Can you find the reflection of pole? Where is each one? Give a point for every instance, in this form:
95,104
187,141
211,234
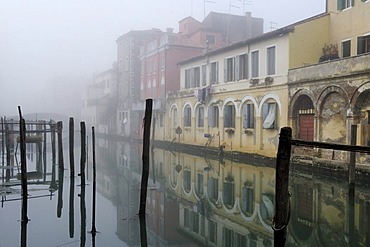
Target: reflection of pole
352,159
351,214
93,229
22,127
71,208
143,237
71,147
145,156
60,192
282,206
83,216
87,157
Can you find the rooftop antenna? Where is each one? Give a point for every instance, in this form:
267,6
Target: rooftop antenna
204,7
273,25
228,21
244,3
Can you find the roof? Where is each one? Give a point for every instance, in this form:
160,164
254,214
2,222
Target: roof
258,38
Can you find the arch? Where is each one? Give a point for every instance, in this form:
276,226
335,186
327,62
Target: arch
226,101
328,90
264,99
187,103
295,98
360,90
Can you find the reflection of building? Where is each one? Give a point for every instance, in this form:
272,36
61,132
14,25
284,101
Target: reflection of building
223,204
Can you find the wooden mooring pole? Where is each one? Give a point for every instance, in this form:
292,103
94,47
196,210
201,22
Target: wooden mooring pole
60,145
71,147
44,152
2,147
93,229
83,152
282,201
52,136
145,156
22,127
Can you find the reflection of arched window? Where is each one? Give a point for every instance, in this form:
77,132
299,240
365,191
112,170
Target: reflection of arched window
187,181
212,231
229,116
247,198
228,194
228,237
199,185
212,189
187,116
213,115
267,207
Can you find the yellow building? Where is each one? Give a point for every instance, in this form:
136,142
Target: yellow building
330,100
237,96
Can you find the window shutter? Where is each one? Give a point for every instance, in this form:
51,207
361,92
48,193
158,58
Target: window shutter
237,65
225,70
210,116
360,45
216,76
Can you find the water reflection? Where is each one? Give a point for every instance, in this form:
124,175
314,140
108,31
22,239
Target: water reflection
192,200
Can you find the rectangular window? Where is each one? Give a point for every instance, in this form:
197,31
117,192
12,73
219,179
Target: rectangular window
248,116
363,44
344,4
346,48
196,77
204,74
187,78
241,67
187,116
211,39
212,229
214,73
213,116
271,60
269,115
200,117
229,116
229,69
255,64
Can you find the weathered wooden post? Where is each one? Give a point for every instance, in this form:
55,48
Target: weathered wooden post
7,143
352,157
93,229
44,152
145,156
83,152
22,128
71,147
282,203
52,136
60,145
2,147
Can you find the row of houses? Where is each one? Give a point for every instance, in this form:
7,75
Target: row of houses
211,86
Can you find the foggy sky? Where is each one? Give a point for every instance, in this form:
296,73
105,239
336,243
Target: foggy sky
42,42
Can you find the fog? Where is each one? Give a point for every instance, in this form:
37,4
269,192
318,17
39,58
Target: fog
49,50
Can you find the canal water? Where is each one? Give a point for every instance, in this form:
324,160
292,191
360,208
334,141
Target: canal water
192,201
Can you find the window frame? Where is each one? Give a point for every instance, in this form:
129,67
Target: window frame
229,115
248,115
255,73
346,52
200,117
271,65
213,116
213,73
